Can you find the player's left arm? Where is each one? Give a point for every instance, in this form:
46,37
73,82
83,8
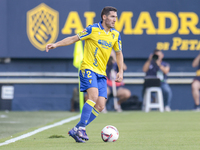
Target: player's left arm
119,58
120,62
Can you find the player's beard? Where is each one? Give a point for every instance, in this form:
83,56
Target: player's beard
108,23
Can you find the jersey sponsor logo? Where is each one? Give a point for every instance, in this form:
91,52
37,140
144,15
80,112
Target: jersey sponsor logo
105,44
42,26
84,32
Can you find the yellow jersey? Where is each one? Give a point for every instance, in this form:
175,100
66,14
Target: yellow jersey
98,46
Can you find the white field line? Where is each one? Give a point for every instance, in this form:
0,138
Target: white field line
40,130
13,122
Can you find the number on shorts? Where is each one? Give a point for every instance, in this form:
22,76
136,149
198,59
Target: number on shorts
88,74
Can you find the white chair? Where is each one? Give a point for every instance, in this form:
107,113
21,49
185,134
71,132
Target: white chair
147,104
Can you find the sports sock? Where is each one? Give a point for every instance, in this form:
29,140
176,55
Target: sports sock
87,109
93,115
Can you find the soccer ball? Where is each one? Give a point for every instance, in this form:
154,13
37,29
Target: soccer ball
109,134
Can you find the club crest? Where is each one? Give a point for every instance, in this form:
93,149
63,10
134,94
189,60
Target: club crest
42,26
113,35
90,81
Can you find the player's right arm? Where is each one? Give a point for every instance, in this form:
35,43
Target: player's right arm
65,42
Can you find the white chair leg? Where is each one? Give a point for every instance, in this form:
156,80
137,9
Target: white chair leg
148,101
160,96
147,105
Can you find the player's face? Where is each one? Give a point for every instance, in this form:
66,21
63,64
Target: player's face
111,19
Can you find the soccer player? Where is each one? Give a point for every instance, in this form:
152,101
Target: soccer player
100,38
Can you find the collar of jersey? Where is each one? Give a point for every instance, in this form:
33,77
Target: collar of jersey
101,27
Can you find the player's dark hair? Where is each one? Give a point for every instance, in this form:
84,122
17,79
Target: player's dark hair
106,11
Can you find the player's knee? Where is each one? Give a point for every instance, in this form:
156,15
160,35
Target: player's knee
167,90
194,86
127,94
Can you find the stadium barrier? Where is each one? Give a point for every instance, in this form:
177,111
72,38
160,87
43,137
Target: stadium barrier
72,78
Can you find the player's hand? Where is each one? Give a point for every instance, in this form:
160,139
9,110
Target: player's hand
50,46
119,77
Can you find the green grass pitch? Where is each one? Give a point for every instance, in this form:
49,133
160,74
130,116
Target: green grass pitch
137,131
